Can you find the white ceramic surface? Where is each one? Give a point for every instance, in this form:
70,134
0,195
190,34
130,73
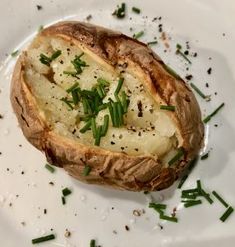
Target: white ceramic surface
94,212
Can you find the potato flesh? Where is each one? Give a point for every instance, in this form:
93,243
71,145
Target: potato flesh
151,134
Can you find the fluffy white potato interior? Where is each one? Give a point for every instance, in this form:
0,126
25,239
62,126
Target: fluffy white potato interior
148,130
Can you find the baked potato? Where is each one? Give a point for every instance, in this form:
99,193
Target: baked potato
105,107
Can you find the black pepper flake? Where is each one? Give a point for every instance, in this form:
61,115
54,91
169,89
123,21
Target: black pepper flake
51,183
45,211
209,71
89,17
127,228
216,93
139,105
207,85
122,148
136,149
112,143
0,153
139,134
1,116
189,77
160,226
39,7
195,54
216,125
22,172
20,145
61,62
186,52
74,131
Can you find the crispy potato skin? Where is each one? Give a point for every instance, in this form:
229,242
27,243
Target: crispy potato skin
117,170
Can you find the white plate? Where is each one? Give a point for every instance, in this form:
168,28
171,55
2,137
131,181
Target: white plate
95,212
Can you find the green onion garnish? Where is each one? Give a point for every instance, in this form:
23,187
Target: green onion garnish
100,91
98,136
67,102
208,118
115,115
188,204
55,55
43,239
50,168
220,198
75,96
190,196
226,214
92,243
138,35
178,51
205,156
120,11
15,53
190,191
120,113
171,71
86,127
120,82
74,86
152,42
93,127
167,107
206,196
198,91
63,200
105,125
66,191
136,10
157,205
199,186
103,82
124,102
86,170
47,60
168,218
179,154
182,181
111,112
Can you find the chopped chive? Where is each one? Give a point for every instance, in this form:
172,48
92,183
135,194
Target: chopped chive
75,96
206,196
74,86
115,115
15,53
111,112
190,196
198,91
205,156
168,218
93,127
72,73
177,157
178,51
63,200
220,198
199,186
100,91
86,127
55,55
120,11
178,46
43,239
50,168
167,107
182,181
120,82
138,35
120,113
190,191
208,118
157,205
124,102
192,203
171,71
102,107
67,102
44,59
92,243
103,82
152,42
98,136
226,214
86,170
105,125
136,10
85,105
66,191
